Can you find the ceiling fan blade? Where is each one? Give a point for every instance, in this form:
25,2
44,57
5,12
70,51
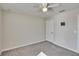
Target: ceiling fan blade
50,8
54,5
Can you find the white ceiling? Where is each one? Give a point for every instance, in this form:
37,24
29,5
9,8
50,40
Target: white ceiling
30,9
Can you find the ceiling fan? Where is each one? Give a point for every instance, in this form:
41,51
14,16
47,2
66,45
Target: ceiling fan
45,7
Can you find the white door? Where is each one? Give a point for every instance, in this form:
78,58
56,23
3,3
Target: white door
50,30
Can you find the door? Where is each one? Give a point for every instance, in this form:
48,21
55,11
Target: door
50,30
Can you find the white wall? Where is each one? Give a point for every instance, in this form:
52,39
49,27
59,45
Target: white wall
65,36
21,30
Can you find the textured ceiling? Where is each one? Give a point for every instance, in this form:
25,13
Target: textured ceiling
31,9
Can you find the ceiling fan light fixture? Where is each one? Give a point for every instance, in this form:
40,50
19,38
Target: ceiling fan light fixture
44,9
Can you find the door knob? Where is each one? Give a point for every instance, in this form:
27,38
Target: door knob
51,32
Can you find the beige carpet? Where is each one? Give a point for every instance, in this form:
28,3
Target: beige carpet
32,50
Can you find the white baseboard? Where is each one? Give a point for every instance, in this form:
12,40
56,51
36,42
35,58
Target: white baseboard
64,47
21,46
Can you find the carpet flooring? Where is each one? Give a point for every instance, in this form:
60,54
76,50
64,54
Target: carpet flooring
33,50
